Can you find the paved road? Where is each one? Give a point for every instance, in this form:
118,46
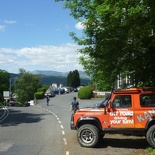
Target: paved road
45,130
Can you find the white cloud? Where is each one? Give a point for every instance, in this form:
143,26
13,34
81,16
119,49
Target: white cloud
9,21
2,28
58,58
79,26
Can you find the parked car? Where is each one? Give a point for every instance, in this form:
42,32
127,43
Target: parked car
70,89
79,87
11,102
58,91
75,90
50,93
127,111
66,89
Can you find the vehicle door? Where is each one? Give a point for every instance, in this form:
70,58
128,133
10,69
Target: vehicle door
145,112
121,112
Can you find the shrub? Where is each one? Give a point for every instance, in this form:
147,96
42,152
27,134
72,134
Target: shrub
85,93
2,104
41,89
39,95
19,104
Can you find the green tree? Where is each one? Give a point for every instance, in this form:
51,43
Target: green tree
26,86
69,78
119,37
76,79
4,82
73,79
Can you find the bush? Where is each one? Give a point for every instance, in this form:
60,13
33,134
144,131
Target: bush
19,104
2,103
85,93
41,89
39,95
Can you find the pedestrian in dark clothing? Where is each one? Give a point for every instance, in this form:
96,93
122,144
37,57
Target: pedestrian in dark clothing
47,100
74,105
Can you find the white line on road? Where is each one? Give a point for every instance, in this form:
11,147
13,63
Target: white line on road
61,126
65,141
5,115
63,132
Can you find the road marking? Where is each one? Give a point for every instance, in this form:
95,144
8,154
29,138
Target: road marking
5,114
5,146
65,141
63,132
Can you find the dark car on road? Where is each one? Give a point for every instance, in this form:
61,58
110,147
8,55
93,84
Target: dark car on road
49,93
58,91
11,102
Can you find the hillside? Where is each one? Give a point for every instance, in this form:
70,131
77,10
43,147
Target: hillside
48,80
56,73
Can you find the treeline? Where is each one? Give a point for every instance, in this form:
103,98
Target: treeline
48,80
27,86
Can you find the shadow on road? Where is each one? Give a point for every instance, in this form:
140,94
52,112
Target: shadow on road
133,143
17,117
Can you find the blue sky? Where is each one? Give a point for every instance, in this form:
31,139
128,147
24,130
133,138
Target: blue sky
34,35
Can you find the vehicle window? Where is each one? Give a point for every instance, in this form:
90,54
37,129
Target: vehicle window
123,101
147,100
102,104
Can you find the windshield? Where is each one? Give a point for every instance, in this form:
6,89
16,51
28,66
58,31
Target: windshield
102,104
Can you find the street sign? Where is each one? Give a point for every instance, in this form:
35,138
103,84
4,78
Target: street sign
6,94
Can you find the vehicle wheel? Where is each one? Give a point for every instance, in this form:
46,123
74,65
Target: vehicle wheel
88,135
150,136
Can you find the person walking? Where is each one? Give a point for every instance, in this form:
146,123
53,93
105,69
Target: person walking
74,105
47,100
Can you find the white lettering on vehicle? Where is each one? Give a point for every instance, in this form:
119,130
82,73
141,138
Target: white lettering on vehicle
126,113
121,116
115,121
146,115
128,121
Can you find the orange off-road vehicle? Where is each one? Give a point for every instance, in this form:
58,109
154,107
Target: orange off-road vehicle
128,111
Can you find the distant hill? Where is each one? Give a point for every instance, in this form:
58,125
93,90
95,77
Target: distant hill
48,80
56,73
50,77
49,73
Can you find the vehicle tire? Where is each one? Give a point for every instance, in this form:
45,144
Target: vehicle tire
88,135
150,136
